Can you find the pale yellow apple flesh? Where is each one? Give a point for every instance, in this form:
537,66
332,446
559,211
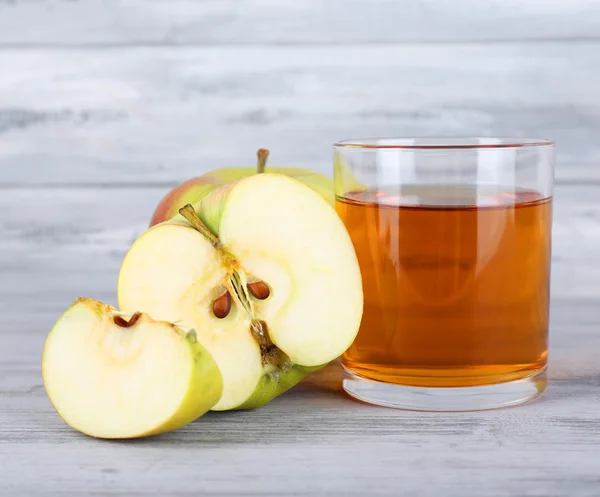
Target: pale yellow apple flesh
116,375
265,228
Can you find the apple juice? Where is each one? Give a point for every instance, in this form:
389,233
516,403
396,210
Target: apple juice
456,284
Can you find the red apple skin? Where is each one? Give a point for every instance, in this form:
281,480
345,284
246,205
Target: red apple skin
188,192
195,189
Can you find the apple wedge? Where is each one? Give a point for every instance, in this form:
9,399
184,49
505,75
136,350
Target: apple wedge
116,375
264,271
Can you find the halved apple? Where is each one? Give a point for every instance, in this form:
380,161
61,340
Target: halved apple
265,272
116,375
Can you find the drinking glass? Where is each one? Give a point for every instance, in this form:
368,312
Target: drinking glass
453,240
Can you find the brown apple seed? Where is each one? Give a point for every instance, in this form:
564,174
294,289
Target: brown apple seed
259,290
123,323
222,305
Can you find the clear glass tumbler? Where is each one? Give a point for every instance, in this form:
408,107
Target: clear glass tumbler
453,239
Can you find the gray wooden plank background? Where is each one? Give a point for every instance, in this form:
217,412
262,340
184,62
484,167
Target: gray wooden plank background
242,22
164,114
105,105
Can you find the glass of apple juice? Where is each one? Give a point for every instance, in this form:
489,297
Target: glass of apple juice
452,237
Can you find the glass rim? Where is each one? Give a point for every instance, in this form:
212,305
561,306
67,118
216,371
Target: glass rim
443,143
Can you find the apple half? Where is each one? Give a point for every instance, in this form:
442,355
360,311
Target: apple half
116,375
265,272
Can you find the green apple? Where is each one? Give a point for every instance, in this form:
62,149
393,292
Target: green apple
195,189
116,375
345,180
265,272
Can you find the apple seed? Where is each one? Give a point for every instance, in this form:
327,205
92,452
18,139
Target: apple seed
222,305
259,290
123,323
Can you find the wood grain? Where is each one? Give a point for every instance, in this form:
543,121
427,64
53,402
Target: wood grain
163,114
110,22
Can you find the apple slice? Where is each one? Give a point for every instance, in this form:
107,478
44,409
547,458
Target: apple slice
116,375
265,272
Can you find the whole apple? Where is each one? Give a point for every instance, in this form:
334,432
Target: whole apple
195,189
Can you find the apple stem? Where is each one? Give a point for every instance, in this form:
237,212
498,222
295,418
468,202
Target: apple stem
261,163
188,212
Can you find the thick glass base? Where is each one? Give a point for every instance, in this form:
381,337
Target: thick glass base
445,399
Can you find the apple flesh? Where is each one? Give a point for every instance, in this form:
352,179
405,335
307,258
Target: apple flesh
195,189
117,375
264,271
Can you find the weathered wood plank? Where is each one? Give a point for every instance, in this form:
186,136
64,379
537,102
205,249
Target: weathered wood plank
163,114
61,22
456,458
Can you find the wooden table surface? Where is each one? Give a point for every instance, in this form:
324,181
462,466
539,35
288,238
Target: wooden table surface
105,105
